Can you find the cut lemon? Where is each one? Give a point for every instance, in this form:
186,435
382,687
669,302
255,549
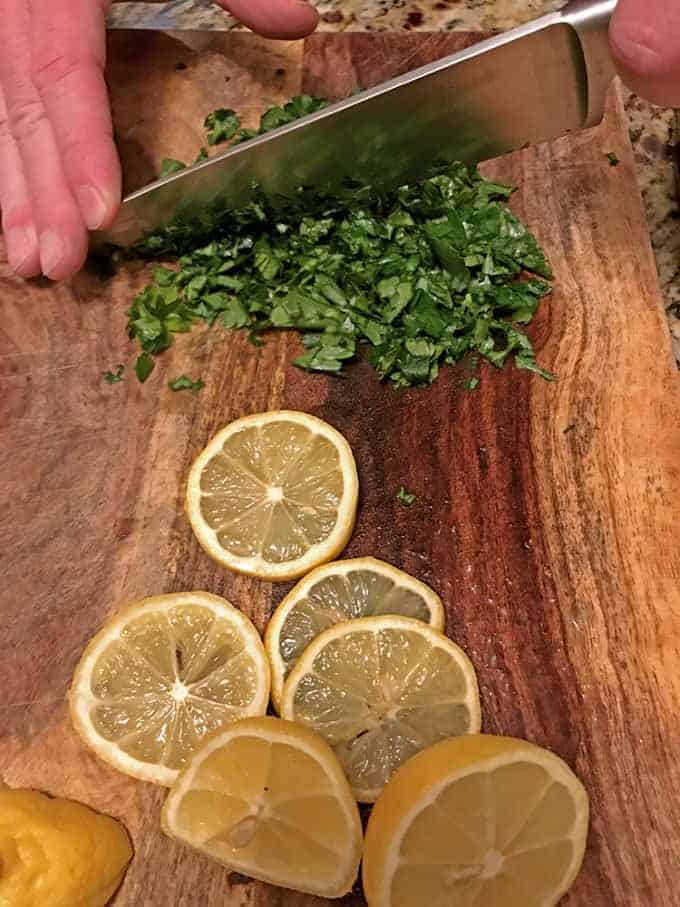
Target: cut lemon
162,674
58,852
274,495
380,689
268,799
477,820
337,592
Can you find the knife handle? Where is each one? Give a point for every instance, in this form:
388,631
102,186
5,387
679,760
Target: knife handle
590,20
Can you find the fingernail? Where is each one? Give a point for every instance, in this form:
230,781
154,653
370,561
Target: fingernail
92,206
21,243
52,251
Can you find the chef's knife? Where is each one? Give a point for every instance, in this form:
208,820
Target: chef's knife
527,85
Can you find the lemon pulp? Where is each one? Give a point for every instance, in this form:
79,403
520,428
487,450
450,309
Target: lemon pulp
162,675
380,689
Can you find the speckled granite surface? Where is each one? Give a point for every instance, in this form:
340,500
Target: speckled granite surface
651,129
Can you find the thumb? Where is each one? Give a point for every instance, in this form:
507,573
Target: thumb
274,18
645,42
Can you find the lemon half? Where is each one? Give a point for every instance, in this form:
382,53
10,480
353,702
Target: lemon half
268,799
476,820
58,852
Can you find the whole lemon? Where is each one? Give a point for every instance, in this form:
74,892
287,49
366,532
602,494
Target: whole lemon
58,852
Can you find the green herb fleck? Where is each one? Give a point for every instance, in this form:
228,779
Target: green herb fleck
144,366
114,377
472,384
170,165
408,498
184,383
299,106
613,159
222,125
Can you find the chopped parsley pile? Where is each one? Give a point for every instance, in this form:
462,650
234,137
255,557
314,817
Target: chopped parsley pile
419,277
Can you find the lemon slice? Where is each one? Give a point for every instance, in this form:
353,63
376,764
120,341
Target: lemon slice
162,674
380,689
476,820
268,799
58,852
273,495
337,592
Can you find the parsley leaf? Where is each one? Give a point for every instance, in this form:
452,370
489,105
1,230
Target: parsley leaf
170,165
408,498
299,106
222,125
613,159
144,366
184,383
114,377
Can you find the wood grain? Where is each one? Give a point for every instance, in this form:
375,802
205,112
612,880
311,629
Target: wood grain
546,517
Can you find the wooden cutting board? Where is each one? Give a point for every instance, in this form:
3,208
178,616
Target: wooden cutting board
547,514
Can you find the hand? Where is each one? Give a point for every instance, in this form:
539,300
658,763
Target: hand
59,170
274,18
645,40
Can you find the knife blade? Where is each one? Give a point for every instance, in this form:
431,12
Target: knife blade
528,85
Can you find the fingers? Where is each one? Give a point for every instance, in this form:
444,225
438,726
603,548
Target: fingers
68,73
60,227
21,238
61,174
645,41
274,18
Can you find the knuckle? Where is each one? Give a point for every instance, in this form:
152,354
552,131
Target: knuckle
27,119
5,134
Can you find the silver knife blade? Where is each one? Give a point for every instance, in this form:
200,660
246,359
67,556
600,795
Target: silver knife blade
532,83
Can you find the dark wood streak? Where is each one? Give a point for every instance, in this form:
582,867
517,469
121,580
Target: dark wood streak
545,513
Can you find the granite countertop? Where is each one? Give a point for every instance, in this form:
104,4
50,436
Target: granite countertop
651,129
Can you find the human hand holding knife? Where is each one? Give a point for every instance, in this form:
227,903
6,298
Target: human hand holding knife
59,171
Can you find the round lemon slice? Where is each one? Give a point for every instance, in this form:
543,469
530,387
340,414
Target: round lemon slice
476,820
379,690
274,495
268,799
337,592
162,674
